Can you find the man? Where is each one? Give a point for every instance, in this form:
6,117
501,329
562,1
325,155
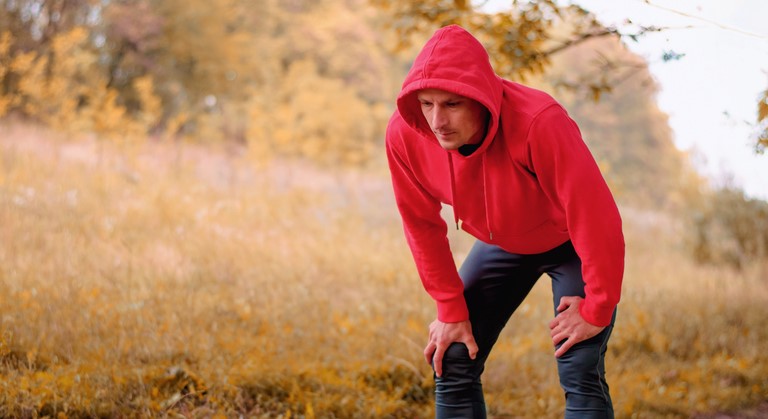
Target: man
521,180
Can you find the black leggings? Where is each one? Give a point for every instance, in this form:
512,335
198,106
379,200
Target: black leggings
495,283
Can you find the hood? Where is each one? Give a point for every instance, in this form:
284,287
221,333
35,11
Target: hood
454,61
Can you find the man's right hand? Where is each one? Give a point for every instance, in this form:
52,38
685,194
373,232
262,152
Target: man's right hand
441,335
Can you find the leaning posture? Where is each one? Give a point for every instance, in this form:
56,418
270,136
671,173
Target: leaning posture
514,167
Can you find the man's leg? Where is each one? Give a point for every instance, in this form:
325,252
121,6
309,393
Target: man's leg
495,283
582,368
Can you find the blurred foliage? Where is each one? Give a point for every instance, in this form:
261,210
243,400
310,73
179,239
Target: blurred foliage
266,73
730,229
306,79
520,42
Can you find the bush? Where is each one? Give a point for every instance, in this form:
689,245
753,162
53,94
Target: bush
731,229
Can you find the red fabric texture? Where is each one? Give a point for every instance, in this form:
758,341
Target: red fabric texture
531,186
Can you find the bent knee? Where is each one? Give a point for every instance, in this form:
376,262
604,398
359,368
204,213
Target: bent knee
457,365
456,352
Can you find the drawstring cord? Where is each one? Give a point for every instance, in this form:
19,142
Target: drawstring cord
453,192
485,197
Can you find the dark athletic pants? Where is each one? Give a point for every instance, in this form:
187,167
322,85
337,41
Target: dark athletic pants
495,283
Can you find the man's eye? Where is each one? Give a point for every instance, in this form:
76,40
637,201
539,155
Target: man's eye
425,104
452,104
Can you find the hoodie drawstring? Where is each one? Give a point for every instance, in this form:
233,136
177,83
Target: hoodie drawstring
453,191
485,196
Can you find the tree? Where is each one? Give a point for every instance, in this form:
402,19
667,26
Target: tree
52,67
520,42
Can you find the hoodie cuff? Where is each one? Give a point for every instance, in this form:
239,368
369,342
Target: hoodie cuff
453,310
596,315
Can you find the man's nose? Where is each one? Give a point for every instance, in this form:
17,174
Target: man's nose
438,118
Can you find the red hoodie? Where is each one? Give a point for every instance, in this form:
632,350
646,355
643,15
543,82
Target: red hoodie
531,186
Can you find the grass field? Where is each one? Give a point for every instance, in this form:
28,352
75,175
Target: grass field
184,282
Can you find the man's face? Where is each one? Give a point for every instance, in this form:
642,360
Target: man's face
456,120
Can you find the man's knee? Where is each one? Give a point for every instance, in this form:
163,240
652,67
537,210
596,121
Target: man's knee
457,352
458,367
458,391
582,363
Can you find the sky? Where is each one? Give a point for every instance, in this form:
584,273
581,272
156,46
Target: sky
711,93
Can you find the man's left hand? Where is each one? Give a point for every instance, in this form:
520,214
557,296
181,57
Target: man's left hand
568,325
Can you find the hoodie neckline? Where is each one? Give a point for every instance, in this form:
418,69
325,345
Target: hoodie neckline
467,149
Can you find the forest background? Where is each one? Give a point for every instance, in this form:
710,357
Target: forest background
196,220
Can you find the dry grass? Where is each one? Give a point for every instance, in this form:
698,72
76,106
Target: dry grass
203,286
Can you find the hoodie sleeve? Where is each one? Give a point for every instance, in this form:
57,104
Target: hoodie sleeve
570,177
426,234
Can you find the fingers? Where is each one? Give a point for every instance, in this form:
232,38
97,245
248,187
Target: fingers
564,347
442,335
558,332
429,352
559,337
553,323
472,347
569,327
562,305
437,360
565,302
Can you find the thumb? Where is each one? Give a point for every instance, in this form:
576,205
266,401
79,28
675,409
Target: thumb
472,347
